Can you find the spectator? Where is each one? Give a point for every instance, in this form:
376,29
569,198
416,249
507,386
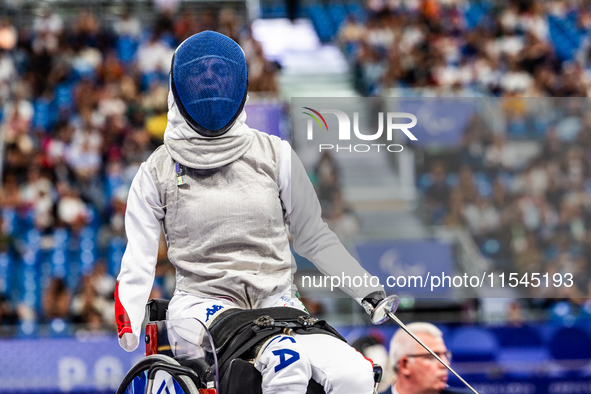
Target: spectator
373,346
8,35
416,371
88,303
8,315
438,192
47,28
37,193
56,300
327,182
430,44
71,210
154,56
128,25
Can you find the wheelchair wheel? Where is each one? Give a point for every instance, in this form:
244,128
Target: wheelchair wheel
136,380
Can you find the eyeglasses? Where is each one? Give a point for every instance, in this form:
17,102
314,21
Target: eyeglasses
447,354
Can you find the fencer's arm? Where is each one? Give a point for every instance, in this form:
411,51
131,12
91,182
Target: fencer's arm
138,266
312,238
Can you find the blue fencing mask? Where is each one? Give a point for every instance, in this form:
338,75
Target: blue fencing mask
209,82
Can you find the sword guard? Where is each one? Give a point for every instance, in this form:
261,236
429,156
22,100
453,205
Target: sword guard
379,313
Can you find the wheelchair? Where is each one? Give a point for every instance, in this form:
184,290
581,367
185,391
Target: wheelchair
222,360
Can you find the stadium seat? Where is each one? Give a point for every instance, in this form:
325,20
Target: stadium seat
115,252
322,22
60,328
523,362
273,10
357,10
518,337
63,96
43,115
59,252
27,329
126,47
472,344
425,182
562,349
6,268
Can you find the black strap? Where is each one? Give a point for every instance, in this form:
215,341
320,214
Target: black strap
236,332
249,339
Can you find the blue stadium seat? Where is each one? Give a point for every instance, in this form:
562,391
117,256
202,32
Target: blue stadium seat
27,329
60,328
517,128
6,266
571,347
153,78
472,344
63,96
506,179
475,14
169,39
10,219
322,22
29,278
43,114
453,179
483,184
425,182
44,270
338,14
586,311
95,219
357,10
517,337
562,313
522,362
115,252
565,36
112,183
88,252
58,260
274,10
73,267
126,47
23,223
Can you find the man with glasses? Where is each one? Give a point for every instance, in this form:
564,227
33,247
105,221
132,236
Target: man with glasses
416,371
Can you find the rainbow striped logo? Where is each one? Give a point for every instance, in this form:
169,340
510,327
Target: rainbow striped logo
315,118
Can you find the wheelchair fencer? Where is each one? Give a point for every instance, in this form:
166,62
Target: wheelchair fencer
187,356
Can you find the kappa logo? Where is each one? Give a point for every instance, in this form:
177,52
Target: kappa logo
212,311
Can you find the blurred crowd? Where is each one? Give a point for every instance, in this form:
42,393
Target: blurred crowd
84,102
526,201
336,212
515,47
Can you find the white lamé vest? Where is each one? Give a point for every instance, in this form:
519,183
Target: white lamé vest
225,226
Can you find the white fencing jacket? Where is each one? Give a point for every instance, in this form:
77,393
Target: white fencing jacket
226,225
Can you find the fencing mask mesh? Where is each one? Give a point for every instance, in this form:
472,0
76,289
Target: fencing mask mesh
209,82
